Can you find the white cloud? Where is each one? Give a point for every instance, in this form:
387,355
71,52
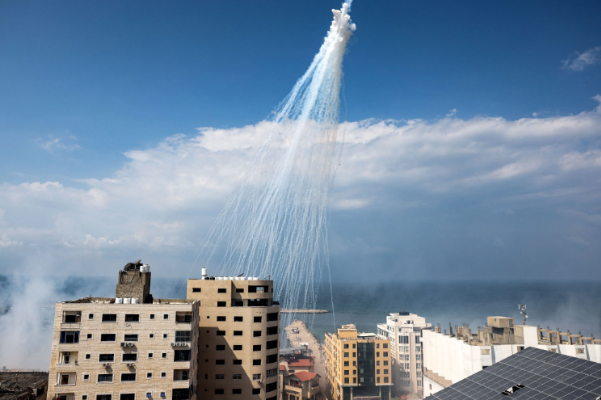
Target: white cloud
52,143
583,60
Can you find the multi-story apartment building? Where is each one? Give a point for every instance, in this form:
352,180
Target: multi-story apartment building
238,336
357,364
404,332
451,357
127,347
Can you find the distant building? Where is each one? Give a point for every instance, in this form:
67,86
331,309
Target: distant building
297,377
449,358
358,365
23,385
239,337
127,347
404,332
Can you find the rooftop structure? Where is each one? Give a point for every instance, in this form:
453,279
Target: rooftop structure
530,374
23,385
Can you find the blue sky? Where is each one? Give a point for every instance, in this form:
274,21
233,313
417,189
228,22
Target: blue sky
90,91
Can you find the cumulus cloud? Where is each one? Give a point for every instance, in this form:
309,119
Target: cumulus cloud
583,60
391,174
52,143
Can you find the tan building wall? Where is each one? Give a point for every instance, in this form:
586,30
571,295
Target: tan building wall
77,369
346,365
239,336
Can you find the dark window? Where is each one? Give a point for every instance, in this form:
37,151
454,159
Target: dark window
130,356
238,319
385,379
69,337
182,355
164,336
346,363
220,376
346,380
220,319
89,336
386,345
103,396
272,344
88,356
239,362
127,396
258,289
91,316
270,387
106,357
151,316
196,290
237,333
237,303
237,376
128,377
258,319
70,318
272,358
108,337
183,336
109,317
272,330
130,337
237,347
132,317
105,377
256,362
219,391
256,347
272,317
346,372
165,316
256,391
220,304
219,362
220,347
220,333
236,391
385,354
151,335
239,290
346,345
164,355
256,333
149,374
221,290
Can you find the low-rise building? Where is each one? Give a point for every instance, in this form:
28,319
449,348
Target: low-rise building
358,365
404,332
298,379
128,347
23,385
453,356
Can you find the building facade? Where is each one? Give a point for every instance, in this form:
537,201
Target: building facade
453,356
298,380
357,365
125,348
239,330
404,332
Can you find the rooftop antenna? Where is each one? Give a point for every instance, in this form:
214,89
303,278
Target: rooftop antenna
522,308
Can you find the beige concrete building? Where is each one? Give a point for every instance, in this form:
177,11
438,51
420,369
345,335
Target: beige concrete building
358,365
298,380
239,337
453,356
125,348
404,332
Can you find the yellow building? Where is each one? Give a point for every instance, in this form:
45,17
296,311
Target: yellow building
357,365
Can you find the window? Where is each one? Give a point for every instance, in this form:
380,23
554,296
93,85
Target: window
221,319
183,336
272,317
151,316
272,344
165,336
354,354
108,337
257,362
132,317
239,290
258,289
385,379
84,397
377,354
89,336
346,345
127,396
106,357
219,391
165,316
346,380
220,333
257,391
270,387
403,339
109,317
163,374
182,355
219,362
149,375
88,356
385,354
385,371
237,303
220,376
385,345
130,356
272,372
346,372
221,290
238,319
220,347
237,333
239,362
346,353
256,347
377,345
69,337
237,376
354,380
164,355
151,336
237,347
91,316
103,397
128,377
258,319
256,377
354,345
105,377
378,379
130,337
272,331
86,377
377,363
236,391
346,363
256,333
272,358
220,304
150,355
196,290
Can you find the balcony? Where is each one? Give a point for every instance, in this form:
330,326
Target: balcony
70,325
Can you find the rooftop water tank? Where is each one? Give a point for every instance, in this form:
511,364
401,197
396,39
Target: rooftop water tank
127,300
203,272
145,268
118,300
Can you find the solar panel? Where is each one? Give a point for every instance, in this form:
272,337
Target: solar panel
531,374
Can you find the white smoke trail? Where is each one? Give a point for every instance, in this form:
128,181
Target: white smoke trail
276,223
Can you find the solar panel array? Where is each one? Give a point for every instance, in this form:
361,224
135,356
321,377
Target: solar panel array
545,376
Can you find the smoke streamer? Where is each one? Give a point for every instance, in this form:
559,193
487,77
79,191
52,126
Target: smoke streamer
276,223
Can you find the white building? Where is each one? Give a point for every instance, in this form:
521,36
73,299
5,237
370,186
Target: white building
404,332
449,358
